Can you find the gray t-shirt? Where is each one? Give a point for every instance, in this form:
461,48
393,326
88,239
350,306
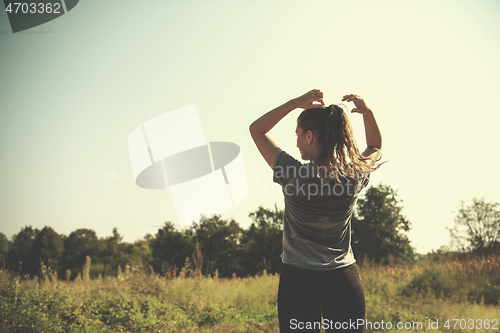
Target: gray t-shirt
317,219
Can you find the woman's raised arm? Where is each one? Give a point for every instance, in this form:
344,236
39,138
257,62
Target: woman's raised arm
259,128
372,132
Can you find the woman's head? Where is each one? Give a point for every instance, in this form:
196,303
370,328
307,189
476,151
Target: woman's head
325,137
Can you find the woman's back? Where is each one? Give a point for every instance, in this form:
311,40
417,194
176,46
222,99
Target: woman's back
316,231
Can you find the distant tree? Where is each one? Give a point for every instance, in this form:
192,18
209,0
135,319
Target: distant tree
139,251
142,249
219,241
110,255
4,248
79,244
379,228
114,252
477,227
170,248
261,243
48,248
20,257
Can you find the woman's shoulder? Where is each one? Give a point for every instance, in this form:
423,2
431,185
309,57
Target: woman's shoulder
284,160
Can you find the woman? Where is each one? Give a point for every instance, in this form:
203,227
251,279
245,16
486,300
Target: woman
319,282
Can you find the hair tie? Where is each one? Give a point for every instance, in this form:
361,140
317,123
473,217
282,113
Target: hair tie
342,108
339,109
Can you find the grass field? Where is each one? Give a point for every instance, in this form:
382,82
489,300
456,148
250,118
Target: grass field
138,300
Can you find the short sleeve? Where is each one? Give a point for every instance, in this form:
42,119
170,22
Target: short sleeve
283,166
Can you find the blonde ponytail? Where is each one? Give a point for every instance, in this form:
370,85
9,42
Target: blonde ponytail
332,128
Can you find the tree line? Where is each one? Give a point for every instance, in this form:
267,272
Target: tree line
379,234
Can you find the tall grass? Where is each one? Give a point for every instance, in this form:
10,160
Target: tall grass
140,300
429,290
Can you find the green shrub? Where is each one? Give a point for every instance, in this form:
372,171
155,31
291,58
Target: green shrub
431,281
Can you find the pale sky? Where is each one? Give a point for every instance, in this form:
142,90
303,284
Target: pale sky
73,89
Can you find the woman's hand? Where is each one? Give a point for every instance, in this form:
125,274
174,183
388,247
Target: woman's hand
372,132
358,102
310,100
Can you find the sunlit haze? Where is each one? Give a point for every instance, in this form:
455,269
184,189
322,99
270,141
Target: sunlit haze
73,89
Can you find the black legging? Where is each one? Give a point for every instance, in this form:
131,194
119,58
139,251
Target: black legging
305,294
